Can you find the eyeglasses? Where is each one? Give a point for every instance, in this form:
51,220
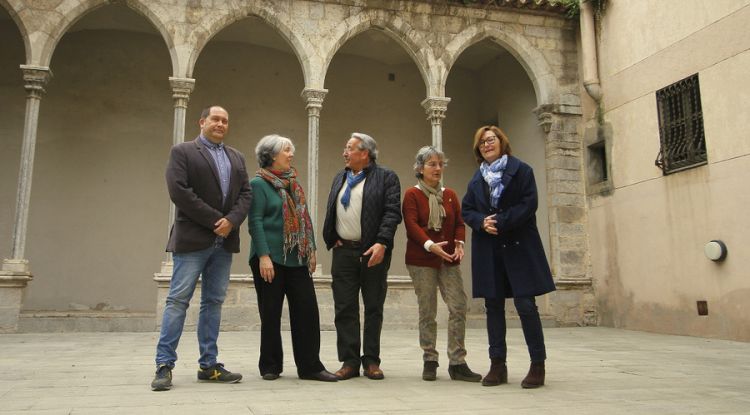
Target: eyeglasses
489,141
433,164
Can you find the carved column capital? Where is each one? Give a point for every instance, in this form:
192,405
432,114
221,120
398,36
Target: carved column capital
181,89
35,79
435,107
546,113
314,99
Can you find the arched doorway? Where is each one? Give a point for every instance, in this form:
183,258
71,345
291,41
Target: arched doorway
97,215
487,84
254,73
375,88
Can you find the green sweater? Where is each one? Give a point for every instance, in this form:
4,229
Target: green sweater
266,225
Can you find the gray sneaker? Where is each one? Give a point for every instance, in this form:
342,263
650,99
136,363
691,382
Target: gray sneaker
163,379
217,373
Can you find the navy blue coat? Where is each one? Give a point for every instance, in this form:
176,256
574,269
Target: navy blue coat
517,248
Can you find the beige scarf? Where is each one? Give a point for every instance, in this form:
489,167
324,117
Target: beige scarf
437,211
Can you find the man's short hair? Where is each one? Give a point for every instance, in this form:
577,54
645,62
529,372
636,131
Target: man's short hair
207,110
367,143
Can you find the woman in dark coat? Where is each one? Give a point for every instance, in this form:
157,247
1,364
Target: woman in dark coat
508,258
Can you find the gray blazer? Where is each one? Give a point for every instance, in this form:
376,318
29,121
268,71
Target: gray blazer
193,185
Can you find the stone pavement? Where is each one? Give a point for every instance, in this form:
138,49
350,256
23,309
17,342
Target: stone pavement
589,371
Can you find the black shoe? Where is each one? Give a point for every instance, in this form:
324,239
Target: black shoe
462,372
323,376
430,370
163,379
217,373
270,376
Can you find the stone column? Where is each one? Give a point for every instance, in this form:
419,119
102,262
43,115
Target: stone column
15,272
314,99
573,303
435,108
181,89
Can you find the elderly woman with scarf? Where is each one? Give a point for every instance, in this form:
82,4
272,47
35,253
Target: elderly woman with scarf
507,256
434,249
282,258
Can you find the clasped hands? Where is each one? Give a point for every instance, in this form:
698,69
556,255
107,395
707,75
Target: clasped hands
489,225
222,227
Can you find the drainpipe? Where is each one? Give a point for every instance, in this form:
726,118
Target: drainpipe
588,44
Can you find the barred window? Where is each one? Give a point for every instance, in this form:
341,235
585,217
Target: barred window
683,144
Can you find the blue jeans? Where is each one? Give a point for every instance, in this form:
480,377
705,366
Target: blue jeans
213,264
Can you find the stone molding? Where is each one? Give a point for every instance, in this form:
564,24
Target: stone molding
434,35
545,113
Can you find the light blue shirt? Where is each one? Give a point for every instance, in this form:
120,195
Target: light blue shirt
222,164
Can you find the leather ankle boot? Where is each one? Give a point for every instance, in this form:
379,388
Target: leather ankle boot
498,373
429,372
535,378
462,372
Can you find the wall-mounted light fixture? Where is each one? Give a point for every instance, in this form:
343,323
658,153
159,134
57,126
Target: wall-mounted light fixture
715,250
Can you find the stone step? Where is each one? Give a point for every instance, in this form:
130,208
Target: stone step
85,321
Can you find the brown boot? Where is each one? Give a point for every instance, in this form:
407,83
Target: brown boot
498,373
535,378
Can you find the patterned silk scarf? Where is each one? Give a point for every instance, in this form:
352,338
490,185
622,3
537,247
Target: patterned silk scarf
492,174
298,231
437,211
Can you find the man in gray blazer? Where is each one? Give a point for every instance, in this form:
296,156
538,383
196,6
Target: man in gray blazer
208,183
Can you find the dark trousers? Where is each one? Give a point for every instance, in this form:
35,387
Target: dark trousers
350,275
530,322
296,284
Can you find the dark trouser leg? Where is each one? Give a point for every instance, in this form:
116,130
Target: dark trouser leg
270,302
532,327
496,327
345,272
304,320
374,289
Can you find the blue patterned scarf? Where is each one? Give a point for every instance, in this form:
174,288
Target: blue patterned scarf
351,182
492,174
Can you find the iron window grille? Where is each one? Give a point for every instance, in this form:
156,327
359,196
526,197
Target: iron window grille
683,144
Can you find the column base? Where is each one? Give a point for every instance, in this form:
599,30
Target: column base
573,304
14,276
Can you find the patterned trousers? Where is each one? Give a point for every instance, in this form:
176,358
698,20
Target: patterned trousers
448,280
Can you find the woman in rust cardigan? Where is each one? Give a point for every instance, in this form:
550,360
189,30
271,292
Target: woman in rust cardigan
434,249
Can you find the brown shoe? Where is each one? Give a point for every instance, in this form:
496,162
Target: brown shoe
347,372
373,372
535,378
498,373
